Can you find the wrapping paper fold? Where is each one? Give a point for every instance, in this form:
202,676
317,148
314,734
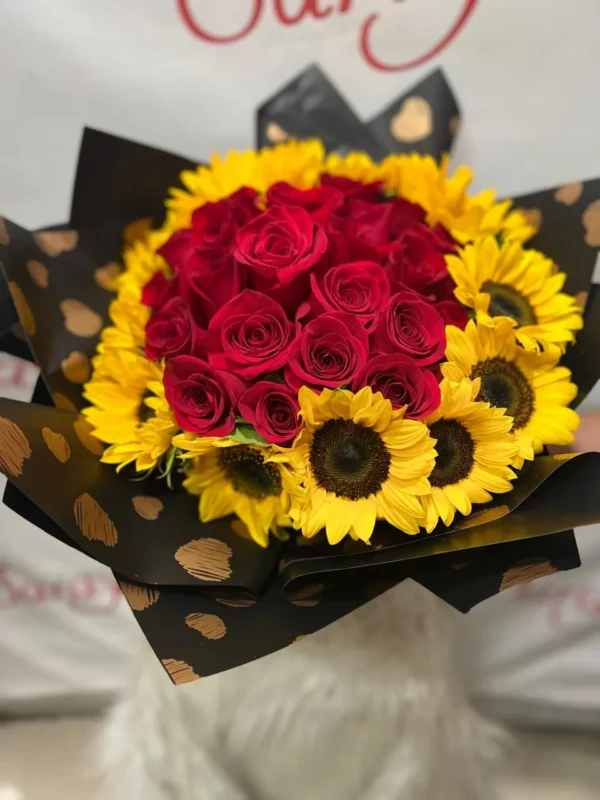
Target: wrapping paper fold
208,598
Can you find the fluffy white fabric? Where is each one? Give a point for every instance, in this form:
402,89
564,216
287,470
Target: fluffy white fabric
370,708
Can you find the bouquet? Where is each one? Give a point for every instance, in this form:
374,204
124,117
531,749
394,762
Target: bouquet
323,370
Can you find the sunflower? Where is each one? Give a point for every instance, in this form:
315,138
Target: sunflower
506,280
255,483
474,450
129,410
530,385
363,462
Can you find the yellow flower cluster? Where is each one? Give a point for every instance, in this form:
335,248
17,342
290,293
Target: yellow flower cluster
356,460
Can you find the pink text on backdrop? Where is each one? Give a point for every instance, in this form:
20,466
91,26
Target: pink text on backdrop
321,10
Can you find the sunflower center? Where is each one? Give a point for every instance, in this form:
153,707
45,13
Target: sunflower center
455,452
348,459
506,301
248,473
504,385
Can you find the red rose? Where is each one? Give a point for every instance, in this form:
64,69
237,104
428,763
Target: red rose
360,288
279,246
159,290
203,399
250,335
203,271
378,224
210,281
214,228
417,261
273,410
329,352
320,202
219,222
170,331
453,313
345,248
403,383
410,325
350,188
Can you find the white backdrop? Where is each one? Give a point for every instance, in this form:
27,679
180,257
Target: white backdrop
526,75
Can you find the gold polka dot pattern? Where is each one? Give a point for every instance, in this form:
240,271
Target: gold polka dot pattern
57,444
93,522
14,448
206,559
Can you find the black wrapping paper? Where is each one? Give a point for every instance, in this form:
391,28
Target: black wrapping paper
207,598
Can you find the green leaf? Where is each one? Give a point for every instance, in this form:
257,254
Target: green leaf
245,434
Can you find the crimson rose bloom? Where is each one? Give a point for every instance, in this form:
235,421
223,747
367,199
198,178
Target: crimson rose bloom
378,224
329,352
320,202
273,410
210,282
360,288
453,313
279,246
203,399
410,325
159,290
403,383
203,271
345,248
214,228
417,262
170,331
219,222
250,335
350,188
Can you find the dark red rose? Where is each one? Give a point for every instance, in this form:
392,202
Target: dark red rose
279,246
213,229
209,272
417,261
170,331
453,313
360,288
350,188
445,239
273,410
320,202
379,224
159,290
203,253
329,352
403,382
250,335
203,399
410,325
345,248
220,221
210,282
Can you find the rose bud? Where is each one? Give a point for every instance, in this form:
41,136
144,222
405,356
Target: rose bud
272,408
402,382
279,246
203,399
170,331
250,335
329,352
360,288
410,325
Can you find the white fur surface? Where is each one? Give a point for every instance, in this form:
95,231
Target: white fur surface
370,708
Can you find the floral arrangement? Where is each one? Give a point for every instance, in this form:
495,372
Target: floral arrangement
321,342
